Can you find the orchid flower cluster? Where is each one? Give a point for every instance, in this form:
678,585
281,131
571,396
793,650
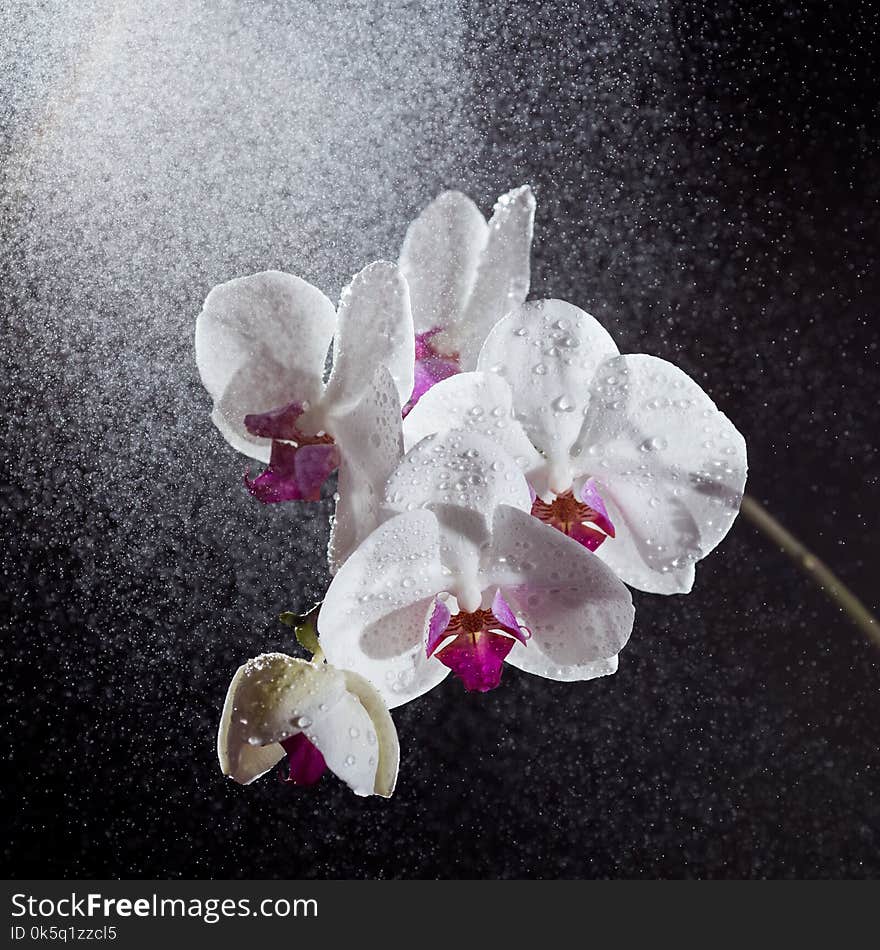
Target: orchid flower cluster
505,474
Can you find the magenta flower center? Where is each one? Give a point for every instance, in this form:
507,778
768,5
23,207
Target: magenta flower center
299,464
584,519
480,642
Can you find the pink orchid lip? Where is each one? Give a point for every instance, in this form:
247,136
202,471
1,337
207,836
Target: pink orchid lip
431,367
305,762
277,423
477,650
576,517
298,464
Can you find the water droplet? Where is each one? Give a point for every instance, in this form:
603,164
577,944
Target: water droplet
563,404
654,444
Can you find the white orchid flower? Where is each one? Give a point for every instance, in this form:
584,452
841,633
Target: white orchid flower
462,577
464,274
261,347
622,451
319,716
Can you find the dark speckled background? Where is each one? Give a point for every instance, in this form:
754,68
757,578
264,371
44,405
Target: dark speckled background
707,182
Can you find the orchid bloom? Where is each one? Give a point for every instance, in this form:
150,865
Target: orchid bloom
464,274
462,577
319,716
261,348
625,453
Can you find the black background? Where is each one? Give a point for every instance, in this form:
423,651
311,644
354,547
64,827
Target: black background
726,218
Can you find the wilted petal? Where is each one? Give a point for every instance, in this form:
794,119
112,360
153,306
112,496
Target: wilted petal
503,274
370,444
261,342
375,615
548,351
670,467
439,260
383,735
578,612
374,328
478,402
270,698
341,735
275,698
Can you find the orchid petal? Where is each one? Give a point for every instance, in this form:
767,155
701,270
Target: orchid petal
458,469
261,342
590,496
548,351
370,445
478,402
383,735
670,467
507,619
578,612
341,735
270,698
374,328
275,697
503,274
439,260
375,615
437,625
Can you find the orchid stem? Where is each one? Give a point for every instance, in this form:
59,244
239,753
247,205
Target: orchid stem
813,567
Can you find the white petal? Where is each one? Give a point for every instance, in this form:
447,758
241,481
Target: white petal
275,696
458,469
478,402
374,328
548,351
368,436
341,735
670,467
439,259
504,272
271,697
579,613
375,615
382,737
530,659
261,343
